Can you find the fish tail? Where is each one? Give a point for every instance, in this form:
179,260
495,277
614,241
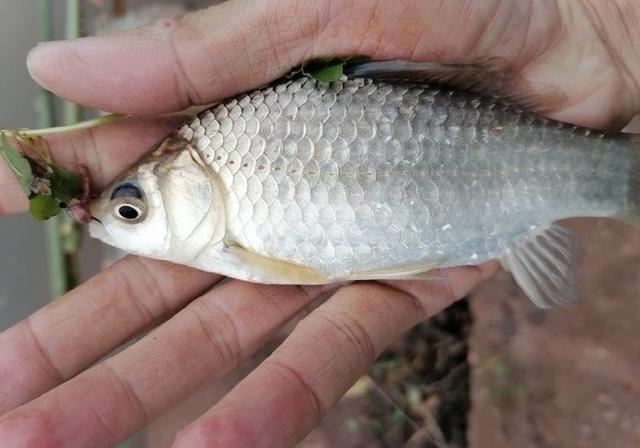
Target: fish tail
631,213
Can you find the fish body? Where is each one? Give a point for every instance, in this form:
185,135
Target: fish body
309,182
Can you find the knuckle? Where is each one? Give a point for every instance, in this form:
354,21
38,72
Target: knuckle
124,389
352,331
178,34
297,382
141,284
275,296
421,302
220,330
53,373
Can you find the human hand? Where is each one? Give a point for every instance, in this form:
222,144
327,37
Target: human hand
50,390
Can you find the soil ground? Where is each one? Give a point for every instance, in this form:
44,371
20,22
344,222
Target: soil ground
562,378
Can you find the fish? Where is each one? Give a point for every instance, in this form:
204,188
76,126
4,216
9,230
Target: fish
394,170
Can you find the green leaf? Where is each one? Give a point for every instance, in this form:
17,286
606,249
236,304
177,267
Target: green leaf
43,207
324,69
66,185
47,185
328,73
328,69
18,164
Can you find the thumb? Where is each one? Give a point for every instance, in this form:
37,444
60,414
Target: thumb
175,63
242,44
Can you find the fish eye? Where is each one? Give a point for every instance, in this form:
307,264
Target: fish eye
128,212
128,202
128,209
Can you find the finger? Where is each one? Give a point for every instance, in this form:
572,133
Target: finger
451,282
108,149
242,44
285,397
74,331
12,197
104,150
204,341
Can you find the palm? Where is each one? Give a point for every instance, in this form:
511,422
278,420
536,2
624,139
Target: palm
224,323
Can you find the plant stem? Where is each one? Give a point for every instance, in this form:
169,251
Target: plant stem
72,110
68,231
99,121
44,103
63,234
48,131
45,112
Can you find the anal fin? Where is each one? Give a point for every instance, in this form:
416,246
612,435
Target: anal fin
544,266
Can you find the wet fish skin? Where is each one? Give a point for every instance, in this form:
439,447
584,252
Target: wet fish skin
307,182
359,174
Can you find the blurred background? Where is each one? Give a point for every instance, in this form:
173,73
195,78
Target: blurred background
491,371
22,241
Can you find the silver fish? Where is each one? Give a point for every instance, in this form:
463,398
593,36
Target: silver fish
379,176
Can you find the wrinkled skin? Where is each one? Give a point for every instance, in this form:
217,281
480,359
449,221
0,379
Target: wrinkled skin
52,395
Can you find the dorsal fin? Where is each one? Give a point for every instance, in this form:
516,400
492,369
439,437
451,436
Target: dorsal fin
490,79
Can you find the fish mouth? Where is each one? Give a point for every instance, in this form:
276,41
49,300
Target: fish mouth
99,231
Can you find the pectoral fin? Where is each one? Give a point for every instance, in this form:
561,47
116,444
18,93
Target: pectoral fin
271,270
544,266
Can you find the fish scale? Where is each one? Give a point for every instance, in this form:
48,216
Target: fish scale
361,174
393,170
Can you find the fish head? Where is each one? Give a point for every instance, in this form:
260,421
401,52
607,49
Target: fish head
167,207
